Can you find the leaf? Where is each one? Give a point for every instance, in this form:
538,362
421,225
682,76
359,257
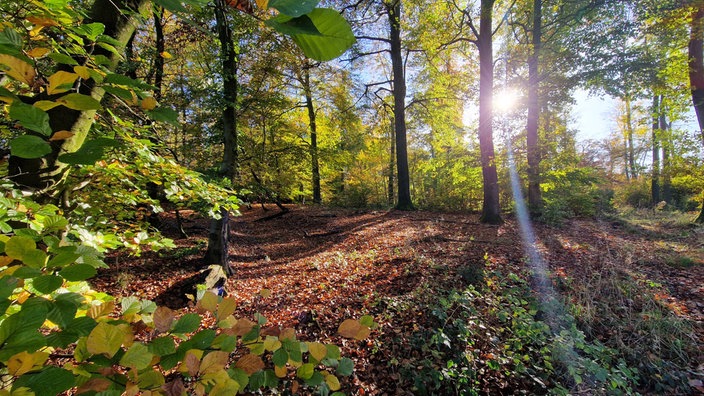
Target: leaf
62,58
148,103
188,323
164,114
250,363
263,4
61,81
209,302
166,55
38,52
82,72
280,357
294,8
305,371
138,356
89,153
43,21
17,246
49,382
174,6
24,362
29,146
335,35
10,37
191,363
345,367
333,382
46,105
227,307
104,339
78,101
292,26
32,118
317,350
78,272
163,319
61,135
174,388
47,283
214,361
18,69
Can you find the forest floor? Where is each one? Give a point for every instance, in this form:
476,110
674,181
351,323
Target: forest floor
313,267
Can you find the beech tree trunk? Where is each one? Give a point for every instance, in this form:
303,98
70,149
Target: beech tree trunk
535,201
655,177
392,163
403,180
43,177
218,236
315,166
491,211
666,159
696,72
630,150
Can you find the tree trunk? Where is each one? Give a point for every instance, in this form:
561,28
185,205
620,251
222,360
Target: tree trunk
44,176
666,143
655,177
404,184
535,202
696,72
392,163
315,166
160,48
491,211
629,139
217,251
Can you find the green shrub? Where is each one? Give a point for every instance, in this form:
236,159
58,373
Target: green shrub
574,192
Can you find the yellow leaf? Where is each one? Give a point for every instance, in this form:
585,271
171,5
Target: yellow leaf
333,382
265,293
250,364
61,81
38,52
46,105
349,328
317,350
272,343
105,339
82,71
18,69
227,307
148,103
263,4
166,55
61,135
24,362
214,361
280,372
43,21
104,309
228,387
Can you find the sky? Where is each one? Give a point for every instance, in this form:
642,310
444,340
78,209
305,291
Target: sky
593,116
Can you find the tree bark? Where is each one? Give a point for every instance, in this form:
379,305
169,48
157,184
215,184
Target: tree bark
160,48
666,143
535,201
392,163
491,211
315,166
218,240
629,139
655,177
403,180
696,72
43,177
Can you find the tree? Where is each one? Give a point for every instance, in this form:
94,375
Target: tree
696,71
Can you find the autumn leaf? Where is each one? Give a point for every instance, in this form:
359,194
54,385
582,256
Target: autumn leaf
38,52
250,364
163,319
18,69
61,135
214,361
149,103
351,328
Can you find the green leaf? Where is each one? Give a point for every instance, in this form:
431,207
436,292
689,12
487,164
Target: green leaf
292,26
27,272
150,379
91,152
61,58
124,94
333,351
138,356
336,37
63,311
174,6
49,382
62,259
17,246
29,146
35,258
280,357
78,101
47,283
188,323
162,346
78,272
7,286
91,30
30,117
346,367
83,325
294,8
315,379
4,92
10,37
119,79
305,371
164,114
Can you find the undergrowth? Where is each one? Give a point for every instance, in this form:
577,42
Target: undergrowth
492,337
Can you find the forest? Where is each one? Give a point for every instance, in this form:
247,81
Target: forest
352,197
